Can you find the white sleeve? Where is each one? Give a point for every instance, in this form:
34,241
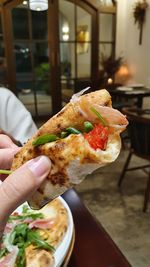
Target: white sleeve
14,117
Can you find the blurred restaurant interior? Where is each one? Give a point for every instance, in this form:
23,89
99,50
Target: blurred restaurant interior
48,55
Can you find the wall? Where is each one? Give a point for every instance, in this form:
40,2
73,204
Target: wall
137,56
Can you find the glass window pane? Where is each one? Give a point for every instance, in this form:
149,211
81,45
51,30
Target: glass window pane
40,52
105,51
24,87
67,58
23,57
39,25
44,100
83,60
26,95
20,23
43,86
67,84
66,21
106,25
83,25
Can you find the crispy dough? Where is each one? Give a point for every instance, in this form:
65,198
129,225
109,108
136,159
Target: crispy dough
72,157
38,258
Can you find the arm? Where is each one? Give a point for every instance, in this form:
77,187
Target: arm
15,119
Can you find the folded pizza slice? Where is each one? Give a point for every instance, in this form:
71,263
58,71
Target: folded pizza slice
82,137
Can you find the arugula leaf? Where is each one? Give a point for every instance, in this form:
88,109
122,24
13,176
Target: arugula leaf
21,259
36,240
25,209
21,229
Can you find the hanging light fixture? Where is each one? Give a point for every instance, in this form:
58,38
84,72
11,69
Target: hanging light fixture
38,5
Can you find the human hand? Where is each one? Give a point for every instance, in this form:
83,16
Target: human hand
7,151
18,186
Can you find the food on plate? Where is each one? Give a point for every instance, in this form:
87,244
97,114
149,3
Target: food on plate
31,237
82,137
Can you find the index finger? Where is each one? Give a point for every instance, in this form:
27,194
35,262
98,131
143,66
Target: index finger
6,142
6,157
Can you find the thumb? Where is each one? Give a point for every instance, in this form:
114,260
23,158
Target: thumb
18,186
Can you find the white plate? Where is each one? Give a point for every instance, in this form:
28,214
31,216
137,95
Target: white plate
136,85
63,248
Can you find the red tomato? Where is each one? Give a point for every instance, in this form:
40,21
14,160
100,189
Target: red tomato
98,137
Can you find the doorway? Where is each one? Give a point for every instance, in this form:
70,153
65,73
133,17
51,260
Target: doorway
51,54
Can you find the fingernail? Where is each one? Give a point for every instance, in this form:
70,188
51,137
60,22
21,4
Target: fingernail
39,166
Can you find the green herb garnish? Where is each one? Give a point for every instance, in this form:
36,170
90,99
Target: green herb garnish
5,171
34,237
22,237
46,138
22,217
72,130
26,213
99,116
64,134
88,126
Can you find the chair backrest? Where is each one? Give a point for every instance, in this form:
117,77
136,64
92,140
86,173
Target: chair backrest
139,131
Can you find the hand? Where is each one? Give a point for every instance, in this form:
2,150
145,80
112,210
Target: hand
16,142
7,151
19,186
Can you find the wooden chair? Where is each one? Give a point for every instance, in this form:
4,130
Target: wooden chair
139,133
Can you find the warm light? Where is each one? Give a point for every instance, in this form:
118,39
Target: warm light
110,81
38,5
25,2
65,29
123,75
65,37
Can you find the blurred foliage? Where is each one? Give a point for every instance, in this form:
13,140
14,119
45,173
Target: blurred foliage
110,65
139,12
42,74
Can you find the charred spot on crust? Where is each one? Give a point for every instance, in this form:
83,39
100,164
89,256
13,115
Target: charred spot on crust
60,158
107,103
23,158
40,190
30,150
58,178
59,126
16,156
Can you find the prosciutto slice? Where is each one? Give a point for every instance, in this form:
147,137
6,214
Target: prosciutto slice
42,224
10,259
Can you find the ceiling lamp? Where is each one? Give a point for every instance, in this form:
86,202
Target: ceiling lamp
38,5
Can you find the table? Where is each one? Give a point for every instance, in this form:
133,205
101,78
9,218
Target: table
137,114
93,246
134,93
